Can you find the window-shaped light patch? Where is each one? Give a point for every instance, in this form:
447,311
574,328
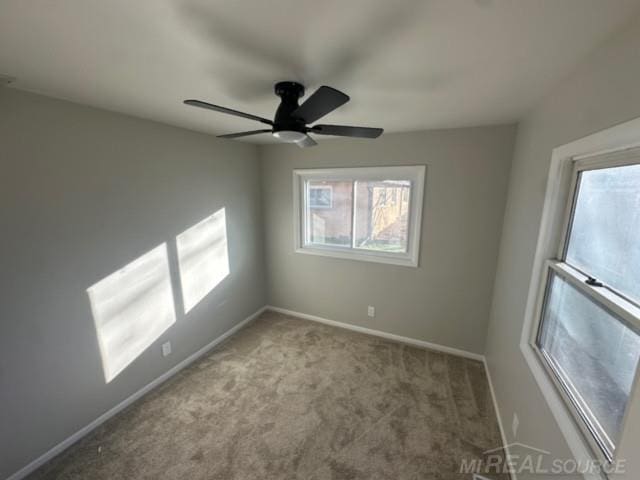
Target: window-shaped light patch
131,308
203,257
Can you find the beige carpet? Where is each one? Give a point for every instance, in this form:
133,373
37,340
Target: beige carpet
291,399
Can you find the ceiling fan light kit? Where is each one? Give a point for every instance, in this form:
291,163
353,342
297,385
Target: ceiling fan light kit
289,136
290,123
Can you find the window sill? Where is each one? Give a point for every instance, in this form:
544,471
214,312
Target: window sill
390,259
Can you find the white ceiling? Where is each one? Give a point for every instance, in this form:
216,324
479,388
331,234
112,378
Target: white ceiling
407,65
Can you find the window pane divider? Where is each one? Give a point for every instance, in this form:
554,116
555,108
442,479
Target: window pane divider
603,295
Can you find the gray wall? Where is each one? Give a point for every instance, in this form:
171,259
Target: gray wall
447,299
601,93
82,193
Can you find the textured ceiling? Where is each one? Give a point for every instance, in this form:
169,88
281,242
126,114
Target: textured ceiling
407,64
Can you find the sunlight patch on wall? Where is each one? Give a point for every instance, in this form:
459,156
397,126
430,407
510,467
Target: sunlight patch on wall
131,308
203,257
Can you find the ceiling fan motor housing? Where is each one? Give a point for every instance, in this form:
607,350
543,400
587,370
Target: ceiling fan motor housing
289,93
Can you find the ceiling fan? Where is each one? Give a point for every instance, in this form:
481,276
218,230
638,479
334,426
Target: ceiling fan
290,124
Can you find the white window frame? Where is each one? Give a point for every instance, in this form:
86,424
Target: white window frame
608,148
414,173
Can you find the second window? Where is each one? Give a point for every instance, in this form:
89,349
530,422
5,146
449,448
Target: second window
361,213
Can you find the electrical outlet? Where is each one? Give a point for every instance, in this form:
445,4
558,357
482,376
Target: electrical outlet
166,349
371,311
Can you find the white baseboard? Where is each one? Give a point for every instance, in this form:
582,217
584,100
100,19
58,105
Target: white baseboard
379,333
503,436
41,460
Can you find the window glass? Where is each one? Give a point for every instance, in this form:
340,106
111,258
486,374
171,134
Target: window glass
604,241
382,222
593,352
320,196
329,212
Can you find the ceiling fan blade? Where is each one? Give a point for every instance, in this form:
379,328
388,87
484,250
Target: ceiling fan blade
307,142
347,131
244,134
217,108
322,101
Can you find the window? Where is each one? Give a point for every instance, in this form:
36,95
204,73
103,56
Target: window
368,214
588,335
